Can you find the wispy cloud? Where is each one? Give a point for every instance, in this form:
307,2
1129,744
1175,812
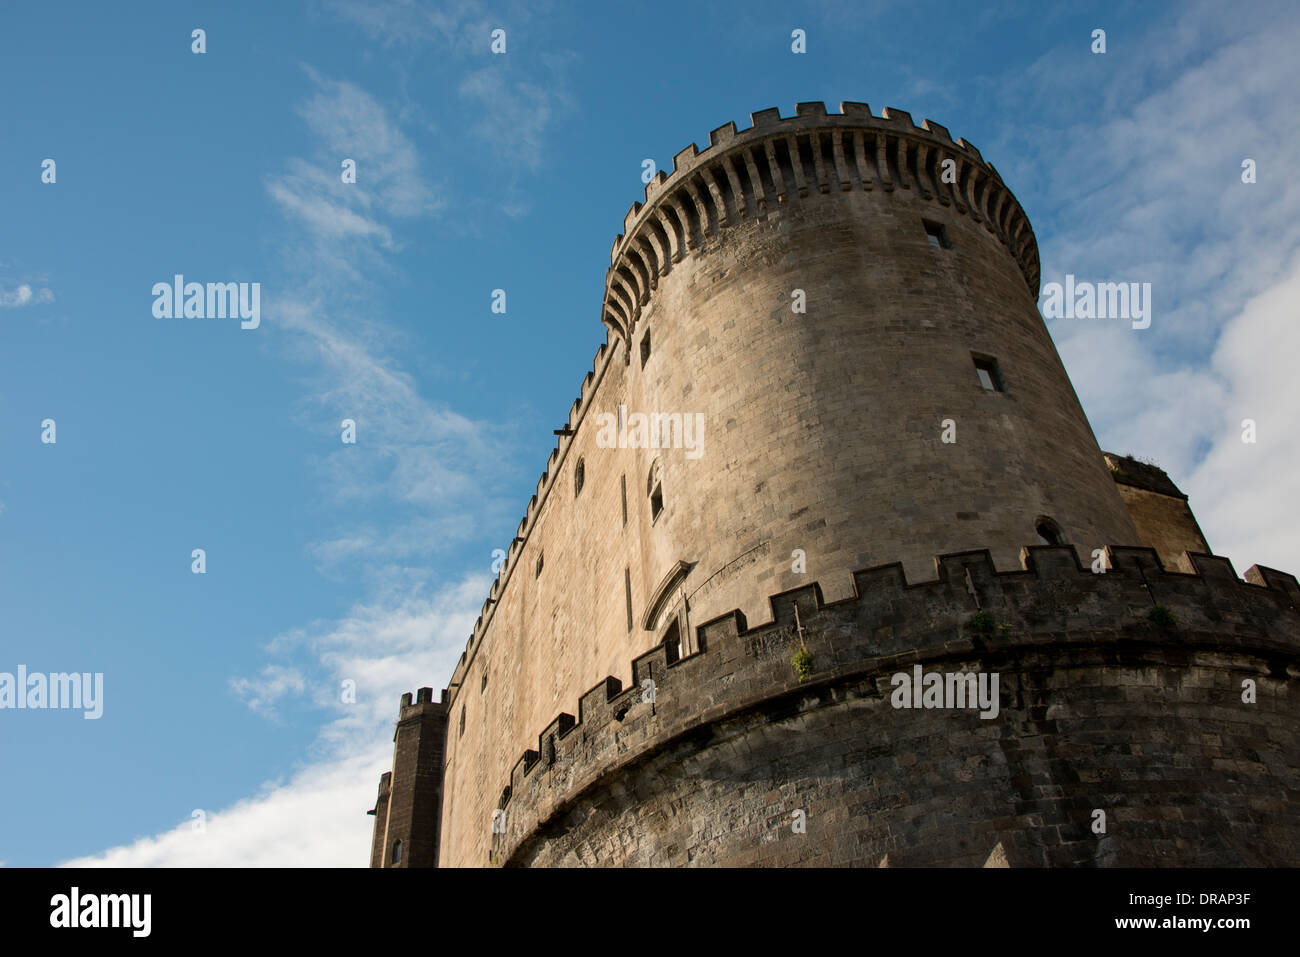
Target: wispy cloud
508,102
1147,187
512,116
411,451
24,295
342,220
417,470
458,24
351,123
272,684
317,817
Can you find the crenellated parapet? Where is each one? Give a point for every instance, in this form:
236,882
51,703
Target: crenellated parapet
1054,614
742,175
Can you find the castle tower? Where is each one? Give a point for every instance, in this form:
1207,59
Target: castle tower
409,802
824,366
825,429
1160,511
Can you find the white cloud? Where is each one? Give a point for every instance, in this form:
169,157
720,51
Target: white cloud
317,818
352,124
272,683
459,24
512,116
418,453
24,295
349,123
1148,189
1242,493
302,197
420,457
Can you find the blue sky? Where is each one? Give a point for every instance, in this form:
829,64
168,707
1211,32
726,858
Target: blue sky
329,562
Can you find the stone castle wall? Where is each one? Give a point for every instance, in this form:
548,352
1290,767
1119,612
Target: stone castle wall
821,431
822,451
1100,709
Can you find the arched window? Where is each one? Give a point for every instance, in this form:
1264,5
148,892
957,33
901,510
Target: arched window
1048,531
397,853
673,642
655,489
579,477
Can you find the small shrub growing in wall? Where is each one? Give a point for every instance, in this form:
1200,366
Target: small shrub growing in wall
1162,617
802,662
982,622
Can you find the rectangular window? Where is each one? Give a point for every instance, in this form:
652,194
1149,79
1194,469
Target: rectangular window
627,592
986,367
936,234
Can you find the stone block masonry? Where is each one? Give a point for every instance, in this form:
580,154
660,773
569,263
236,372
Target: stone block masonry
844,307
1101,710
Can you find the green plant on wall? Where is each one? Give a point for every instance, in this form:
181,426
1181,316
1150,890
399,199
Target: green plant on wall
1162,617
802,662
982,622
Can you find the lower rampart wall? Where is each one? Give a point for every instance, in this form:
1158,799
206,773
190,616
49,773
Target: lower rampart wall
1099,709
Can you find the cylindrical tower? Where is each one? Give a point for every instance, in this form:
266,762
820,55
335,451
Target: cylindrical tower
824,356
850,302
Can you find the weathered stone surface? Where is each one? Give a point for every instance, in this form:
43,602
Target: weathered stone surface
1159,510
1100,709
823,452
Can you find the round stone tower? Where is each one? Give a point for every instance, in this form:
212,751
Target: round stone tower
827,457
851,303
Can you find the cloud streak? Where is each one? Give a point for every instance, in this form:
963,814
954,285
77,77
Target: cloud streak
423,468
24,295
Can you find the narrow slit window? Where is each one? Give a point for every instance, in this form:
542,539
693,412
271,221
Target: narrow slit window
462,720
645,348
990,376
538,572
579,477
627,593
936,234
397,852
655,489
673,642
623,490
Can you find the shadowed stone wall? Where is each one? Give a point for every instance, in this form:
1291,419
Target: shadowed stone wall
1100,709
